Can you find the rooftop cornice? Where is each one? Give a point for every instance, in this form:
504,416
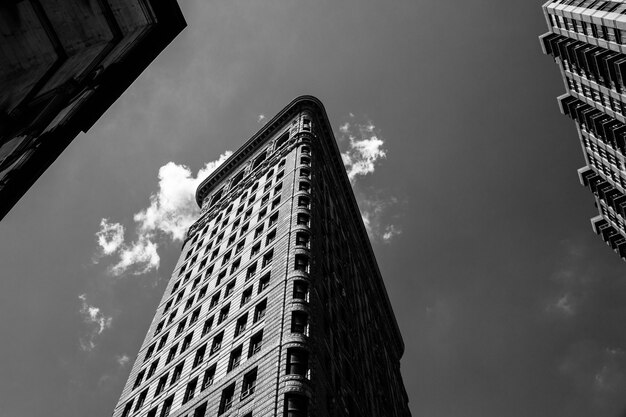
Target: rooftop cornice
258,139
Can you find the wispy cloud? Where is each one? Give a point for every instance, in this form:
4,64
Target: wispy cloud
260,118
362,151
171,211
97,321
365,148
122,360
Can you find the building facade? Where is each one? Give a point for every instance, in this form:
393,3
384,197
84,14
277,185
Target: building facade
276,306
63,63
587,39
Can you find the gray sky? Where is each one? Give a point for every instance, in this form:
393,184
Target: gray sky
508,304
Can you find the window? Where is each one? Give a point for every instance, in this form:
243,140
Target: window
149,352
153,368
141,400
305,160
167,306
268,185
200,411
246,296
172,354
190,390
302,239
167,407
267,258
227,399
199,358
139,378
258,231
249,212
195,316
219,239
181,327
217,343
163,341
297,362
223,313
262,213
301,263
265,199
273,220
276,202
230,287
235,358
304,186
161,385
270,237
207,326
178,371
306,150
249,383
299,322
278,188
240,246
281,140
251,272
301,290
215,253
296,405
303,219
153,412
241,324
244,229
127,408
255,250
209,375
226,258
179,297
259,310
203,291
214,300
231,239
196,282
235,266
172,317
189,303
220,277
186,342
304,202
280,175
305,172
264,282
255,343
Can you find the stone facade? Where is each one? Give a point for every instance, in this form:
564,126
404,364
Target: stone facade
280,246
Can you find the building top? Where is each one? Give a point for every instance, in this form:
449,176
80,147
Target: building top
315,106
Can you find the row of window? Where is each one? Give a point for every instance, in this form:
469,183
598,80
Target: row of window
601,5
605,100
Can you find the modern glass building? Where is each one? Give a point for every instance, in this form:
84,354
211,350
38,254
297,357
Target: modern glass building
276,306
587,39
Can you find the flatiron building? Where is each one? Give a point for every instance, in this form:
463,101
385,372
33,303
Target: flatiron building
276,306
587,39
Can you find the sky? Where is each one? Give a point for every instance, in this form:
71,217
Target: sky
464,169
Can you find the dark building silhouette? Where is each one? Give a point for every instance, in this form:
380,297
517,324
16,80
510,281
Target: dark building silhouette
62,64
276,306
588,42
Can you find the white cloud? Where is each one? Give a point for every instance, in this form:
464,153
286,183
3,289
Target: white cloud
97,321
110,237
391,231
260,118
564,304
122,360
365,149
171,211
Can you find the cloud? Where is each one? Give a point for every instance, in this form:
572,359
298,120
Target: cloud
110,237
260,118
171,211
97,321
365,149
374,212
122,360
564,304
